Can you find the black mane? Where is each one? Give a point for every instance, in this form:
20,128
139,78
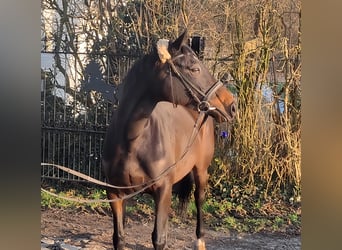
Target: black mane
138,75
135,88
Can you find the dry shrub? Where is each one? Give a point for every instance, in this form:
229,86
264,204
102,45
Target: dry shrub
262,154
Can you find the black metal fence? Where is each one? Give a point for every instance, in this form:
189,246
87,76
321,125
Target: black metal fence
75,148
74,117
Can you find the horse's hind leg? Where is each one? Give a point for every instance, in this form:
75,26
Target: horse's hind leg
118,221
162,199
201,179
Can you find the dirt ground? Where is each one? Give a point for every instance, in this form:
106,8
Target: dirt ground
79,229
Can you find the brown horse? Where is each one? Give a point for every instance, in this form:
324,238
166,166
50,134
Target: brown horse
162,134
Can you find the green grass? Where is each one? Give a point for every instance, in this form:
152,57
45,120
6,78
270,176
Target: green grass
48,201
219,214
244,217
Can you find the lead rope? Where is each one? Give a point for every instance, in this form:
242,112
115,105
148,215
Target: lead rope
81,200
144,186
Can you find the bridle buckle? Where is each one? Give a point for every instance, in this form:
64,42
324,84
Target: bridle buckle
204,106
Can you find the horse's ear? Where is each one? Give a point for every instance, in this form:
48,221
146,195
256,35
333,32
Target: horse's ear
163,46
162,49
182,39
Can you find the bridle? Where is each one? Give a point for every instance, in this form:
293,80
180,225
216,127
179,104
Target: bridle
201,98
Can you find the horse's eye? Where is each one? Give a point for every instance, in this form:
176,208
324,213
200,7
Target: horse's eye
195,70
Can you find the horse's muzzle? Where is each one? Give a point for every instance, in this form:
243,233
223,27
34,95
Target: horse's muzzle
232,110
223,116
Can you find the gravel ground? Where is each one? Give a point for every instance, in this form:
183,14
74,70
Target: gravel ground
75,229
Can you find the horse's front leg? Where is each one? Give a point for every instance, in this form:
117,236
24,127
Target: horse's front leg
201,180
162,199
118,221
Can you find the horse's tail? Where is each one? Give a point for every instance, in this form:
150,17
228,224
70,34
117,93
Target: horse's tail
182,190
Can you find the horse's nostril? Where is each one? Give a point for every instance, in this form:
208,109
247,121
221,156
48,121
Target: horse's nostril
233,108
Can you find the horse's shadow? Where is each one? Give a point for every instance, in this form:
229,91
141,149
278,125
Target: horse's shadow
86,236
138,247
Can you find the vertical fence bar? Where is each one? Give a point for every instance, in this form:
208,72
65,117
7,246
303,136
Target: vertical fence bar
44,96
88,155
58,146
71,160
79,155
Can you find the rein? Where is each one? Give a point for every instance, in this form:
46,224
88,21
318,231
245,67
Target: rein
144,186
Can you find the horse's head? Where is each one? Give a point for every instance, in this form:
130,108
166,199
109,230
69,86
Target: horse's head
186,81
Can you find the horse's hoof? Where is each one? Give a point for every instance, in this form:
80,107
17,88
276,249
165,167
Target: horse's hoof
199,245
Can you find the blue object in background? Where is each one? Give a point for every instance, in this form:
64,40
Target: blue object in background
224,134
